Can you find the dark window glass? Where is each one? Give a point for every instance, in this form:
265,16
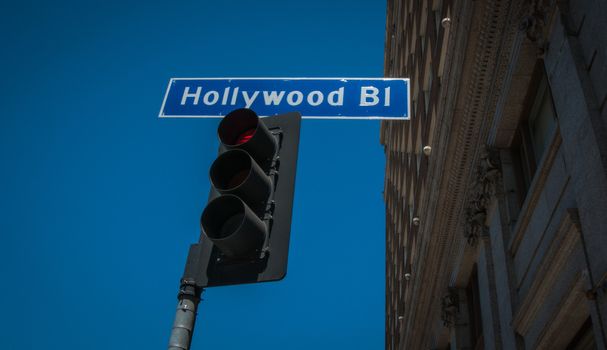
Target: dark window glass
534,134
584,338
542,119
474,311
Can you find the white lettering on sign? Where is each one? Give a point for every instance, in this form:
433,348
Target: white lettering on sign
186,94
372,93
294,101
315,98
272,97
369,96
207,98
336,98
234,96
224,99
248,100
367,92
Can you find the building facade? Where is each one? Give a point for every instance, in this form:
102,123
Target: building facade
496,190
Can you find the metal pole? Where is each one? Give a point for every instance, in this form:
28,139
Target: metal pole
185,316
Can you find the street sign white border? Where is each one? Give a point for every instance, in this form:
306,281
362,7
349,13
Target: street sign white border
408,97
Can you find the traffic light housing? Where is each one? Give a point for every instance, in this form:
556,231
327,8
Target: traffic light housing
246,224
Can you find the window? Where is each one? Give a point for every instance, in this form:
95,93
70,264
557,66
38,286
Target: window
584,338
534,133
542,120
474,311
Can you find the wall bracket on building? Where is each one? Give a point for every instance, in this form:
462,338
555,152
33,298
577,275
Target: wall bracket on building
534,25
483,188
449,308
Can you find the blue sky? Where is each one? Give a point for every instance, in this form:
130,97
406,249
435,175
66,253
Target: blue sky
100,199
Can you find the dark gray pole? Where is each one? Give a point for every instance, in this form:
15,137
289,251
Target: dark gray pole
185,316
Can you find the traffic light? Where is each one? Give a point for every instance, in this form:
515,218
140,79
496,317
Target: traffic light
245,226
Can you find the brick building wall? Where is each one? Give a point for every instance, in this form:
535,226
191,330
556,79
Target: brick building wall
496,190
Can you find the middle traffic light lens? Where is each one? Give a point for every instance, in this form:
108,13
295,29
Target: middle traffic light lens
230,170
235,172
238,178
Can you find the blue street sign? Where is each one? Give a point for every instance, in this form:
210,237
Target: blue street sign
320,98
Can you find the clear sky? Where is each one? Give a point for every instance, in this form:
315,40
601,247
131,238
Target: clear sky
100,199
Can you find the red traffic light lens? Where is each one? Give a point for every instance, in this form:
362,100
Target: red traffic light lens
238,127
245,136
243,129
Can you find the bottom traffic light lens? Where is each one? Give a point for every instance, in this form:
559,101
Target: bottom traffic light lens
232,226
